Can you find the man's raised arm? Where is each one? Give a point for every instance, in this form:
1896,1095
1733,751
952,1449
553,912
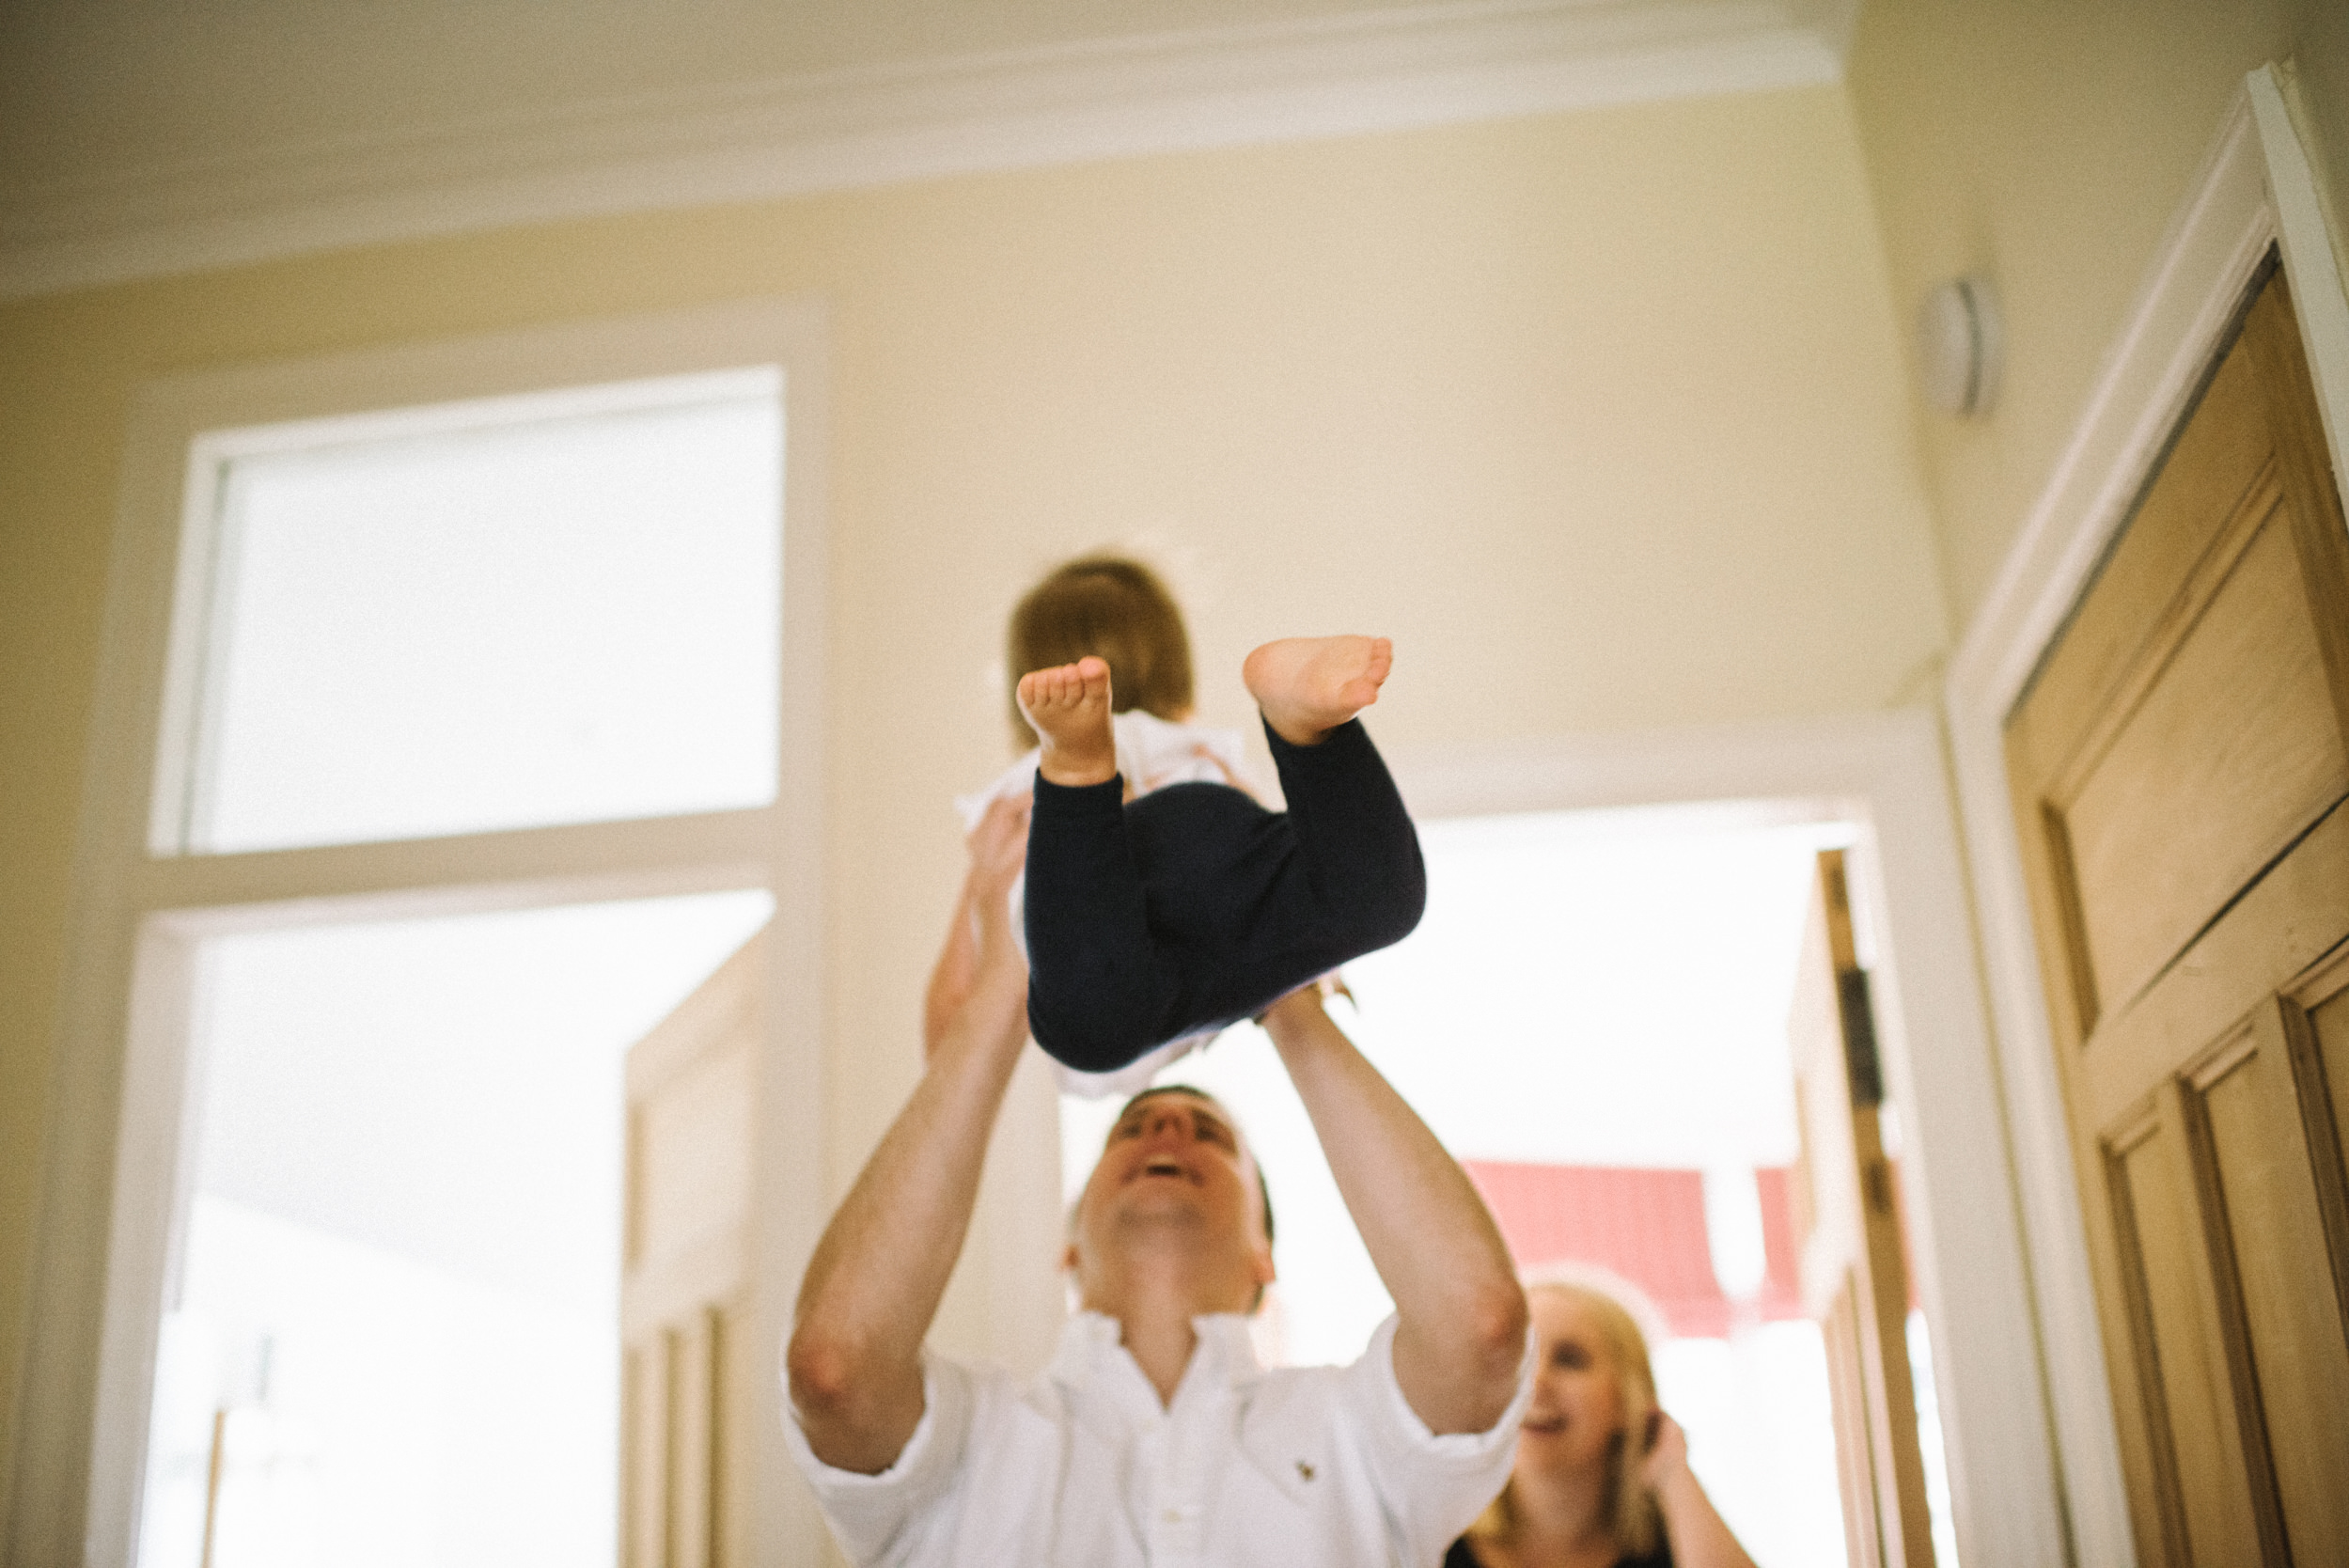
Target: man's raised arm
1460,1335
873,1284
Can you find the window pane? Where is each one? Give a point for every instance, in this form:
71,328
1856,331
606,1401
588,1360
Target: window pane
555,619
395,1338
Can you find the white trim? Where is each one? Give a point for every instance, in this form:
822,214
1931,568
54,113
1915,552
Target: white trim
2319,298
1361,71
412,878
789,1177
122,1079
2190,294
1884,772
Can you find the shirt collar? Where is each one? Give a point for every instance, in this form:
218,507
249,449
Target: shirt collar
1225,1357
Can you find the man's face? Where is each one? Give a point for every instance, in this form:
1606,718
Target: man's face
1174,1171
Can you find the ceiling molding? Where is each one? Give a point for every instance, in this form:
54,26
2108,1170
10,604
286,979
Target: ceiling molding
792,136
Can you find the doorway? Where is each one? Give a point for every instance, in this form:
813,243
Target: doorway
1593,1017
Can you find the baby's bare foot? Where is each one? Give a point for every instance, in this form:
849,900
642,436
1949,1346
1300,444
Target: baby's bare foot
1308,686
1069,706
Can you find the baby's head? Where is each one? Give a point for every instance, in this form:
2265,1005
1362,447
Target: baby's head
1116,610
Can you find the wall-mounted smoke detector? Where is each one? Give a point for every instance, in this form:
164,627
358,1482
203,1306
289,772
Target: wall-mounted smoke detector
1959,348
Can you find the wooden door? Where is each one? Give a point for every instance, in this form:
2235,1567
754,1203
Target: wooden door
685,1262
1855,1274
2178,771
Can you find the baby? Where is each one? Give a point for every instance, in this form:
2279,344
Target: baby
1162,903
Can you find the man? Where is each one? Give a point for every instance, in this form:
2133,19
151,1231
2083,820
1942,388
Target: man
1153,1438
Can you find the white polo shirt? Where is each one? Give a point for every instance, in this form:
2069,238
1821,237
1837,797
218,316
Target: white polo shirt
1082,1467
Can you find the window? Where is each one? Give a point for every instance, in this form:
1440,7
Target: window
501,653
394,1337
498,613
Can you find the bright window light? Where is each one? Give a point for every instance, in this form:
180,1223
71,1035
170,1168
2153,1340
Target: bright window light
395,1338
538,611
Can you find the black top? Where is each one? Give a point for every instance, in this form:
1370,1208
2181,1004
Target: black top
1462,1556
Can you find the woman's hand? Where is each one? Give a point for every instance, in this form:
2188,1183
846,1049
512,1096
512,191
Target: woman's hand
1700,1537
1667,1451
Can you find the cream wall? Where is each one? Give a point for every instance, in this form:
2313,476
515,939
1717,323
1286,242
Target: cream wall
2048,147
1599,415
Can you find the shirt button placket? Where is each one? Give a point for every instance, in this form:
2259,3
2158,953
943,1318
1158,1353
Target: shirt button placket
1179,1531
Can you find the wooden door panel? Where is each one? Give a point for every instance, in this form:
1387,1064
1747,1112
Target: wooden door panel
1855,1274
692,1088
2210,472
2270,1231
644,1467
2207,1463
2179,771
1854,1457
693,1144
2226,755
2287,920
2319,1021
693,1372
2141,1400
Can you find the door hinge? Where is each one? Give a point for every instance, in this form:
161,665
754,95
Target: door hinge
1859,1037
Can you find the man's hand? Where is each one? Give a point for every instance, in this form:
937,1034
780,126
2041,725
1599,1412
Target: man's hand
874,1282
1460,1338
998,849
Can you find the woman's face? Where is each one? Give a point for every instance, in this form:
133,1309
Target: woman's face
1577,1407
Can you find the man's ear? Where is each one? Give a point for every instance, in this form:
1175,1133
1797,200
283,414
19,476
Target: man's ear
1068,1259
1259,1273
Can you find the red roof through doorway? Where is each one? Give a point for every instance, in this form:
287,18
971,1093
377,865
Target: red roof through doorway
1647,1226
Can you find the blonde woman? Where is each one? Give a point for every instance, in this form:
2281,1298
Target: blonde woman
1601,1477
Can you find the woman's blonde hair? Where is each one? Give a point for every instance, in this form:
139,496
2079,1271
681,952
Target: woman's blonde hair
1620,1311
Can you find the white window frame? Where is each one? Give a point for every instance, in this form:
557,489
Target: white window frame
121,1155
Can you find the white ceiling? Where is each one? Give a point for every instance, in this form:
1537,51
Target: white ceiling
141,137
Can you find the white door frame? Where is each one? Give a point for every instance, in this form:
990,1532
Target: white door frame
119,1155
2256,189
1887,774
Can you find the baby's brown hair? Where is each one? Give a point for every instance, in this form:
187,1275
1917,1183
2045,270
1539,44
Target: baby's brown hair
1117,609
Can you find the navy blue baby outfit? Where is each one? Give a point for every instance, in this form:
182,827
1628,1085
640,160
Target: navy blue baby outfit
1192,907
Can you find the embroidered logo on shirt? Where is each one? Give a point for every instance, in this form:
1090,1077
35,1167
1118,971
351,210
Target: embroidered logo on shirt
1305,1470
